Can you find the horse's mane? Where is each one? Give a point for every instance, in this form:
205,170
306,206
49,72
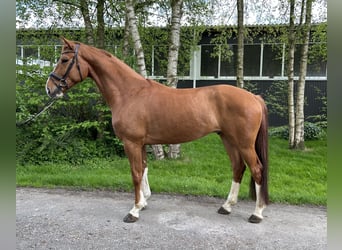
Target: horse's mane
116,60
106,53
99,50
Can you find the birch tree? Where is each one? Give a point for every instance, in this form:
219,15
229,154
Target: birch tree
290,73
299,126
172,80
296,105
126,39
176,6
240,48
134,32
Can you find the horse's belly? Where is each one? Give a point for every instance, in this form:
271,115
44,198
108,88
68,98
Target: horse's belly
181,130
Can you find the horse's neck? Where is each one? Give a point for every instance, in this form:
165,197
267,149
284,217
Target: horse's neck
113,77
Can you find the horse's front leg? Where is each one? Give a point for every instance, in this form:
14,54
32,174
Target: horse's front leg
135,157
145,186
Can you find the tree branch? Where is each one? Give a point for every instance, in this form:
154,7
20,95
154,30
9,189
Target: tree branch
73,3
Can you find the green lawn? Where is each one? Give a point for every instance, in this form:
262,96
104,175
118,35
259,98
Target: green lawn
295,177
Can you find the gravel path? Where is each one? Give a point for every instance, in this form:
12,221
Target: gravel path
62,219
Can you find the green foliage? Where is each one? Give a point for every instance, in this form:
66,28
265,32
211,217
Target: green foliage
276,98
312,131
279,132
74,129
251,87
321,119
220,40
319,47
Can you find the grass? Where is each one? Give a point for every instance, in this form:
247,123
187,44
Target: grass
295,177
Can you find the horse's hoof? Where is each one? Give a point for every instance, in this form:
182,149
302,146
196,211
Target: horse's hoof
254,219
130,218
223,211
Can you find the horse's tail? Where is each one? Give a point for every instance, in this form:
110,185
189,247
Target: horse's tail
261,148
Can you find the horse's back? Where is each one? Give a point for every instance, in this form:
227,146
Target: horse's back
218,102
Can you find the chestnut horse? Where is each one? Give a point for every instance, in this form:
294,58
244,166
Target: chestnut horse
145,112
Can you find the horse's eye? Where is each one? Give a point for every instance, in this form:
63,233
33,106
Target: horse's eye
64,60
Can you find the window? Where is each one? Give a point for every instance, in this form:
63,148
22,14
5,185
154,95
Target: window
251,59
209,64
317,64
272,61
159,60
31,51
47,54
227,67
184,61
316,68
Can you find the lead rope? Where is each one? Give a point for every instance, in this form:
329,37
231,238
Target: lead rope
46,106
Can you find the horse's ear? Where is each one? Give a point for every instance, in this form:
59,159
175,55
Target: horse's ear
66,42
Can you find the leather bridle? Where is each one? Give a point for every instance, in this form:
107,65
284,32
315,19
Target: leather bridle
61,80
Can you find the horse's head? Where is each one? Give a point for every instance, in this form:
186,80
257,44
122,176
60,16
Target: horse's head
70,69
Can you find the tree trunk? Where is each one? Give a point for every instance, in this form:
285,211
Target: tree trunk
100,43
176,6
125,49
139,53
290,74
172,80
100,34
240,49
87,22
133,28
299,133
83,6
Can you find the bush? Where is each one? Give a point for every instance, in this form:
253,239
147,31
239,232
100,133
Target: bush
279,132
75,128
312,131
38,145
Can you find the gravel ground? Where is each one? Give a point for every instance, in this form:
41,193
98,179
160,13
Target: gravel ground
64,219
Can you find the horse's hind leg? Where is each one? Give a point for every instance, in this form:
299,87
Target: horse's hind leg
238,168
255,166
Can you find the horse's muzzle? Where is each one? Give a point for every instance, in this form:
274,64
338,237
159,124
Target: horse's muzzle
57,92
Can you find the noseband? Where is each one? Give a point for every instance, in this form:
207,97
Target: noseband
62,82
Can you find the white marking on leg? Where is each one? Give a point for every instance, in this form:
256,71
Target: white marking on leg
260,206
232,197
145,193
137,207
145,187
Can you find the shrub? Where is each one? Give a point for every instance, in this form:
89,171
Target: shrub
312,131
74,129
280,132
